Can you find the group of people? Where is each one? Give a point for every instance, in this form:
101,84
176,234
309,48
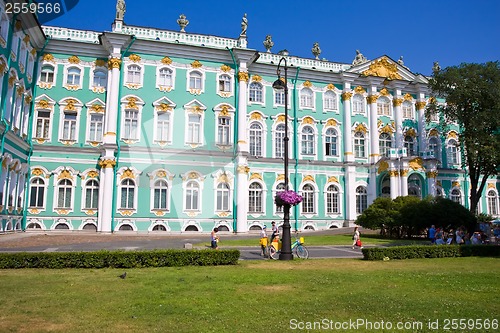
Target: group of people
440,236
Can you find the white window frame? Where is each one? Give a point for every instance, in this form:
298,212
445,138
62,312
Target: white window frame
134,75
326,137
452,152
361,199
73,86
96,86
262,198
492,202
254,93
330,101
407,110
336,193
307,98
68,187
384,106
358,104
458,198
358,138
85,188
224,191
195,204
159,83
384,144
304,150
256,139
314,193
62,120
43,74
127,107
44,185
195,90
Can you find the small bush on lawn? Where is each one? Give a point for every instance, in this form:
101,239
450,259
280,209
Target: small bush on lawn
119,259
427,251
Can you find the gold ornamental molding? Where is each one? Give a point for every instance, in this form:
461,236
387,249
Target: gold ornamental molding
393,173
90,212
359,90
371,99
12,80
34,211
256,78
408,97
65,174
97,108
255,116
196,109
114,63
404,172
331,122
127,174
361,128
159,213
307,84
416,163
3,65
48,57
433,132
387,129
225,68
243,76
257,176
132,103
100,63
330,86
346,96
134,58
92,174
243,169
308,120
43,104
455,184
491,185
397,101
70,106
223,214
196,64
431,174
452,135
166,60
411,132
385,92
280,118
332,179
62,211
28,99
74,60
420,105
107,163
37,172
163,107
223,178
280,177
26,39
383,68
126,212
308,178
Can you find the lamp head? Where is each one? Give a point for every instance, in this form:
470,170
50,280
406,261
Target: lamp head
279,84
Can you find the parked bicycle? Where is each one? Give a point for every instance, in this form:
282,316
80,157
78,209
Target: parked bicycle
298,249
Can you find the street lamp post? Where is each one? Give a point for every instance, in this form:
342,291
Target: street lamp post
286,242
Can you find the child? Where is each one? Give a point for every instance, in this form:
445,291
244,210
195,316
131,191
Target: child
214,239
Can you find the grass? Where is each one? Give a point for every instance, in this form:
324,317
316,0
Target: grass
315,240
254,296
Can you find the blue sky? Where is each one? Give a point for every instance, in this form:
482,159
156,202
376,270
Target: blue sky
422,31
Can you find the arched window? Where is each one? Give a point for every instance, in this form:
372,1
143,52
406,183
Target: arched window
414,186
222,197
456,196
64,193
358,104
332,200
134,74
384,143
47,74
383,106
306,98
255,92
100,78
165,77
407,109
434,147
160,198
279,188
224,83
255,145
37,193
308,142
127,194
330,101
410,145
492,203
331,143
91,194
192,196
361,199
195,80
279,144
73,77
255,198
359,145
452,152
308,199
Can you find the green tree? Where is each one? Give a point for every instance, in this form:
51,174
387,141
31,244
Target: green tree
379,215
472,95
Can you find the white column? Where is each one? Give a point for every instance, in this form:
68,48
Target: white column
403,172
374,148
422,140
398,137
394,183
105,194
242,110
242,195
242,163
347,135
112,102
350,194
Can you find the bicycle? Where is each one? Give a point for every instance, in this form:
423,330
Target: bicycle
298,249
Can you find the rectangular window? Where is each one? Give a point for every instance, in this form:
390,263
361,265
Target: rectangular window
96,127
223,131
163,126
279,97
131,123
42,124
194,128
69,126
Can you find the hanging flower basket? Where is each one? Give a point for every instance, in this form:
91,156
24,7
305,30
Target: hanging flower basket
289,197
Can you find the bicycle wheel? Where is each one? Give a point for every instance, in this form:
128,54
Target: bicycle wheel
302,252
273,254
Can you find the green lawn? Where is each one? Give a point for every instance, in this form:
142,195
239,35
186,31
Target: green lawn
254,296
368,239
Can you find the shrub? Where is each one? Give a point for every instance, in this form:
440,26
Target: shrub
428,251
119,259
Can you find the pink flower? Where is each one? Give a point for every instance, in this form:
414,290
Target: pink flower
289,197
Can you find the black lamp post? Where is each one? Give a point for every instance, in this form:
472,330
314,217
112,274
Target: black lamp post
286,242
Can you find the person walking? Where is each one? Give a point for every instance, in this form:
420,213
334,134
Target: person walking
263,241
356,241
214,239
432,234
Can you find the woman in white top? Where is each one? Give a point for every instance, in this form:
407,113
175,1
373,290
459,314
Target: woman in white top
355,238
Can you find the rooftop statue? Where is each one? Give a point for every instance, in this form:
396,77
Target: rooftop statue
436,68
244,25
182,22
268,43
316,51
359,59
120,9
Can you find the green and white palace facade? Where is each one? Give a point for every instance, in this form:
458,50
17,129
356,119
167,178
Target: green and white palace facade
147,130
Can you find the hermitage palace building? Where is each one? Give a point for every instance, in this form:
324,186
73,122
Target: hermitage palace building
148,130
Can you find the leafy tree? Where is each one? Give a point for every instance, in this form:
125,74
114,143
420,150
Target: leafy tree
379,215
472,94
450,215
